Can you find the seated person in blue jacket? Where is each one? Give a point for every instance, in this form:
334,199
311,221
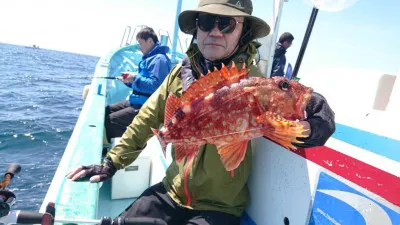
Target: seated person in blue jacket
153,68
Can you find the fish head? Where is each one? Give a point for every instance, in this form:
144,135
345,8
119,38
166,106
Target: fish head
287,98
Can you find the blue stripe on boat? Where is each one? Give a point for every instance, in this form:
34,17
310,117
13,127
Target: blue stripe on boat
381,145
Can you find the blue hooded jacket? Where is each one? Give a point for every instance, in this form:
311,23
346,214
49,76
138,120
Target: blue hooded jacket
153,69
278,65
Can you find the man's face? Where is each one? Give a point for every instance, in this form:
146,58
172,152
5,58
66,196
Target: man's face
145,45
216,44
287,44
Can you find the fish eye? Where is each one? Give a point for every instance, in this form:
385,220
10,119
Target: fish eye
284,85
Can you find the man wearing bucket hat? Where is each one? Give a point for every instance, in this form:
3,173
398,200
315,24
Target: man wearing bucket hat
223,31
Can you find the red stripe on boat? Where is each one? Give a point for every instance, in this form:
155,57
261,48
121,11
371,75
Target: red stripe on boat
369,177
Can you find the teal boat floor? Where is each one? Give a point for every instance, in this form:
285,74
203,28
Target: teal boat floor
111,207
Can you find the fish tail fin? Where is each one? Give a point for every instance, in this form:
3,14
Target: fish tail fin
161,140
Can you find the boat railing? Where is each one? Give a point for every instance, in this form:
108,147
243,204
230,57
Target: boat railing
137,29
165,34
164,37
127,38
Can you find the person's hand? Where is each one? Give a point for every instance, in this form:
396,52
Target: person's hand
93,173
127,77
307,127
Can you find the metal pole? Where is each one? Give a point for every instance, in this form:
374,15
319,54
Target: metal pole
176,30
276,22
305,40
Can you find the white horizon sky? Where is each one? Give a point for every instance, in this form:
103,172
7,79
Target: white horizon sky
91,27
358,37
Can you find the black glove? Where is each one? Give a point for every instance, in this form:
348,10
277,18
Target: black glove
105,171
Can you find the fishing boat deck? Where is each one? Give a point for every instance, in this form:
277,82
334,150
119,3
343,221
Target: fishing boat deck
113,206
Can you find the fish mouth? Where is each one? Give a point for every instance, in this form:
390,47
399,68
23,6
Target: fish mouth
302,103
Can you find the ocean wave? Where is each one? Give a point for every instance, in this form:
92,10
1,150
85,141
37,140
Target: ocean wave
41,93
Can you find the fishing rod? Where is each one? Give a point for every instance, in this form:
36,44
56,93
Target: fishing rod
7,198
307,35
108,78
12,169
123,76
8,216
25,217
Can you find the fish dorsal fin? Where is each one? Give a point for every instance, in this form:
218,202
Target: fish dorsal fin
206,84
236,75
173,103
282,131
233,154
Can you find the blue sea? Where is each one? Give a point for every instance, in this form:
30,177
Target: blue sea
40,101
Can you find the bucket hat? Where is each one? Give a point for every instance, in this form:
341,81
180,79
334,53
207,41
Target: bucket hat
244,8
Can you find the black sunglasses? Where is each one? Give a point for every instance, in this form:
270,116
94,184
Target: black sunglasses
226,24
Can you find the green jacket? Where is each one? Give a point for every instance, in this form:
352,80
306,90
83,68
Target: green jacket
209,185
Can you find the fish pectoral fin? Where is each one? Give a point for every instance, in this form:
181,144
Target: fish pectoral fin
282,131
233,154
286,142
183,151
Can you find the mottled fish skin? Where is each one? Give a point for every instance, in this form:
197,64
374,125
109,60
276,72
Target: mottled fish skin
232,110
